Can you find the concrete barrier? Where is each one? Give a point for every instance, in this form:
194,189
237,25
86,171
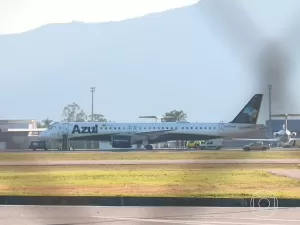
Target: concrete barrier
146,201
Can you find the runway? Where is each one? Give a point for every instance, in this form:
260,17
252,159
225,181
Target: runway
138,150
79,215
148,162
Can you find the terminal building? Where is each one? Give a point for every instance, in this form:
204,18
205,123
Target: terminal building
17,134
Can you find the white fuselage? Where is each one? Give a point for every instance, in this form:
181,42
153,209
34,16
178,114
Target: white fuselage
153,132
283,136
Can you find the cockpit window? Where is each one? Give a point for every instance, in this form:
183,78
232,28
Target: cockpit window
52,128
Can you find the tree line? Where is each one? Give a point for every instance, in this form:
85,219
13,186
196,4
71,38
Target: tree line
74,113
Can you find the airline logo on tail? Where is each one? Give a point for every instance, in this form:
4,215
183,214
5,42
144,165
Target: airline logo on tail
249,114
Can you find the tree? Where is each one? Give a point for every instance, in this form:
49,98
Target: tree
98,118
175,115
39,124
45,123
73,113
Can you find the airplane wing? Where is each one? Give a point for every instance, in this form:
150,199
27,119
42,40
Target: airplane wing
155,134
295,139
152,133
258,139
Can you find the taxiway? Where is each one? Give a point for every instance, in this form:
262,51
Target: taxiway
148,162
140,150
93,215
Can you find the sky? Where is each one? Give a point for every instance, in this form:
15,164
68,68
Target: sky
271,17
21,15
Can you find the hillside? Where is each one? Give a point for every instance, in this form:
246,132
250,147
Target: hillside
153,63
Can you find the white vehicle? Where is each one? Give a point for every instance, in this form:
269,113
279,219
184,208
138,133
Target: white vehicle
283,137
212,144
124,135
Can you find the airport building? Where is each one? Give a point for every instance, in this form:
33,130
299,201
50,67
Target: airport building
16,134
292,125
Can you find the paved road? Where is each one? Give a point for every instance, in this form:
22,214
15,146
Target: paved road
149,162
140,150
78,215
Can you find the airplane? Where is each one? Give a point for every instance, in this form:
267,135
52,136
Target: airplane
124,135
283,136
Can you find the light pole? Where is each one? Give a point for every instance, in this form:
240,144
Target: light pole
270,110
93,91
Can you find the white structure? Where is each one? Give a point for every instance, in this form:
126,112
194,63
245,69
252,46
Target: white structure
15,134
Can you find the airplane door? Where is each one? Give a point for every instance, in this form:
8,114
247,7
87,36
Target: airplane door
221,127
65,129
134,129
129,128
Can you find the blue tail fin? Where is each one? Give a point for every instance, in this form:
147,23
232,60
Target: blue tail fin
249,114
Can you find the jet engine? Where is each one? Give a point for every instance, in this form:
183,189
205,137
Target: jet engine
276,134
119,141
294,134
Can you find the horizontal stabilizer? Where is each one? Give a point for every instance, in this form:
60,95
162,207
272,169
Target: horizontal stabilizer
246,139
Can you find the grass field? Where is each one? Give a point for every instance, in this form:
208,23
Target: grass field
162,180
148,155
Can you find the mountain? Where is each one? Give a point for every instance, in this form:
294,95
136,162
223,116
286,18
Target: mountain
141,66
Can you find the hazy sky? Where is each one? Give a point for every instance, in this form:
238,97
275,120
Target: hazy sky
224,63
22,15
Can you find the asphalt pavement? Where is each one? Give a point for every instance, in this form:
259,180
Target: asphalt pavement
140,150
93,215
148,162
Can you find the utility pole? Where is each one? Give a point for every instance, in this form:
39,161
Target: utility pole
270,110
93,91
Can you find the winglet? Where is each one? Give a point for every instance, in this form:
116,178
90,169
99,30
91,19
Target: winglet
249,114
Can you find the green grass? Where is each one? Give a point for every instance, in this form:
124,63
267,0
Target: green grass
176,180
147,155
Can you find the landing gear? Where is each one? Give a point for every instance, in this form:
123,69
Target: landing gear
64,144
148,147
